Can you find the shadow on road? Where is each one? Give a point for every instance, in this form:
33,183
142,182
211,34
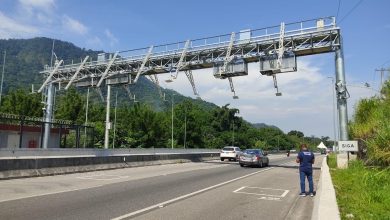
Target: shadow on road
292,166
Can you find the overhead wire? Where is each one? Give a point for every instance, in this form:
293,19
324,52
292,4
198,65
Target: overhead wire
338,10
350,11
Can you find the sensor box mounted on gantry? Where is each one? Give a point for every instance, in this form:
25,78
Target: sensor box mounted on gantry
237,67
269,64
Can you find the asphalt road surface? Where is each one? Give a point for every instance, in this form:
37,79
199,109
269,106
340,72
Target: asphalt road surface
207,190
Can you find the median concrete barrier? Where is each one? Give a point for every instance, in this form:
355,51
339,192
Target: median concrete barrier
40,166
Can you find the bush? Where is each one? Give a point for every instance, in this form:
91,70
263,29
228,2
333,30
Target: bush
363,192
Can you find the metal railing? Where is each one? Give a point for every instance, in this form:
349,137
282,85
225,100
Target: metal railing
213,42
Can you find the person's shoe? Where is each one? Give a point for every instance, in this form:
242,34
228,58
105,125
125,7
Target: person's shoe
311,194
302,194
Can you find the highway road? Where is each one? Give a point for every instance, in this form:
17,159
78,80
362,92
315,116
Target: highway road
207,190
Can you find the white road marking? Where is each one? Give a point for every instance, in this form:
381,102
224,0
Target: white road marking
102,177
188,195
94,186
285,193
239,189
270,198
261,193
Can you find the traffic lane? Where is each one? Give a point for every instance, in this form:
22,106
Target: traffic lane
36,186
272,194
116,199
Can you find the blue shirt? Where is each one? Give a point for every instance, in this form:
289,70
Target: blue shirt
306,159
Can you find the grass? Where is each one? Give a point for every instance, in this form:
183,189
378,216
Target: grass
361,191
331,159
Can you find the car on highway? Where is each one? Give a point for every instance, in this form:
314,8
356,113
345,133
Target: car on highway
230,153
253,157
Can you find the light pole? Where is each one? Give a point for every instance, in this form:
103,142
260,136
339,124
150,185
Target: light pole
86,117
334,115
108,123
185,127
172,120
2,77
116,104
233,131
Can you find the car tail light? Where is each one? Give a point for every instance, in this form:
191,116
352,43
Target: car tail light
258,157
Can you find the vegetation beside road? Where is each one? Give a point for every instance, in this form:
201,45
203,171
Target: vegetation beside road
362,192
371,127
363,189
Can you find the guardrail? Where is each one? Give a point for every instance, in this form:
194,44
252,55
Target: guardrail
17,153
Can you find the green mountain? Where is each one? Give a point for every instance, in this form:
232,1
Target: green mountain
263,125
26,57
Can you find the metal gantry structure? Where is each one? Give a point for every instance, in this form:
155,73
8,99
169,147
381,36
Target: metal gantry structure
276,48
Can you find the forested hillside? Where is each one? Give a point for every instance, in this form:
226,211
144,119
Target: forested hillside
144,123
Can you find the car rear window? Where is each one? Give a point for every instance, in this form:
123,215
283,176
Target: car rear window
252,152
228,149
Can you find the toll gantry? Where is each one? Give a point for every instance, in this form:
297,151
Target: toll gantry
275,48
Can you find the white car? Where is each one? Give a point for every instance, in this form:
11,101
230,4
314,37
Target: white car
230,152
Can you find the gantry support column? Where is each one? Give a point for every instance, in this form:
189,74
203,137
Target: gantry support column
108,123
48,114
342,94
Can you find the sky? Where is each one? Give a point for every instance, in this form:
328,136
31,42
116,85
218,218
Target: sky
307,100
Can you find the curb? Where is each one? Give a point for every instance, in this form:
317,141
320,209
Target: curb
325,203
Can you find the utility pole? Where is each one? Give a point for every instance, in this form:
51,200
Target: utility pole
382,71
2,77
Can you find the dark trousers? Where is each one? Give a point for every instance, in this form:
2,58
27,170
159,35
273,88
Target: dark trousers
309,174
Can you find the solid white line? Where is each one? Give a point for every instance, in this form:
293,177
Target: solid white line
235,191
285,193
162,204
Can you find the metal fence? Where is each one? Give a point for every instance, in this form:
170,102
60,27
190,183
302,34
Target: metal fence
27,132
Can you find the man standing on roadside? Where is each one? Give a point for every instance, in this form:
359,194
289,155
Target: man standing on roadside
305,159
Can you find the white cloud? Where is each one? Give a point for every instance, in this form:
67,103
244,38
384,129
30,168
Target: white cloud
94,42
38,12
74,25
113,40
306,103
46,5
10,28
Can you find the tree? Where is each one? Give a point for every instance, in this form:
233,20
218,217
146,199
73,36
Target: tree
20,102
296,133
71,106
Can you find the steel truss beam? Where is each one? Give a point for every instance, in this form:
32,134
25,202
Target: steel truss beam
180,63
154,80
77,72
127,89
141,69
58,64
203,53
107,69
192,82
281,45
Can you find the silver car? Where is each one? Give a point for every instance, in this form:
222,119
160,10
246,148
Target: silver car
253,157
